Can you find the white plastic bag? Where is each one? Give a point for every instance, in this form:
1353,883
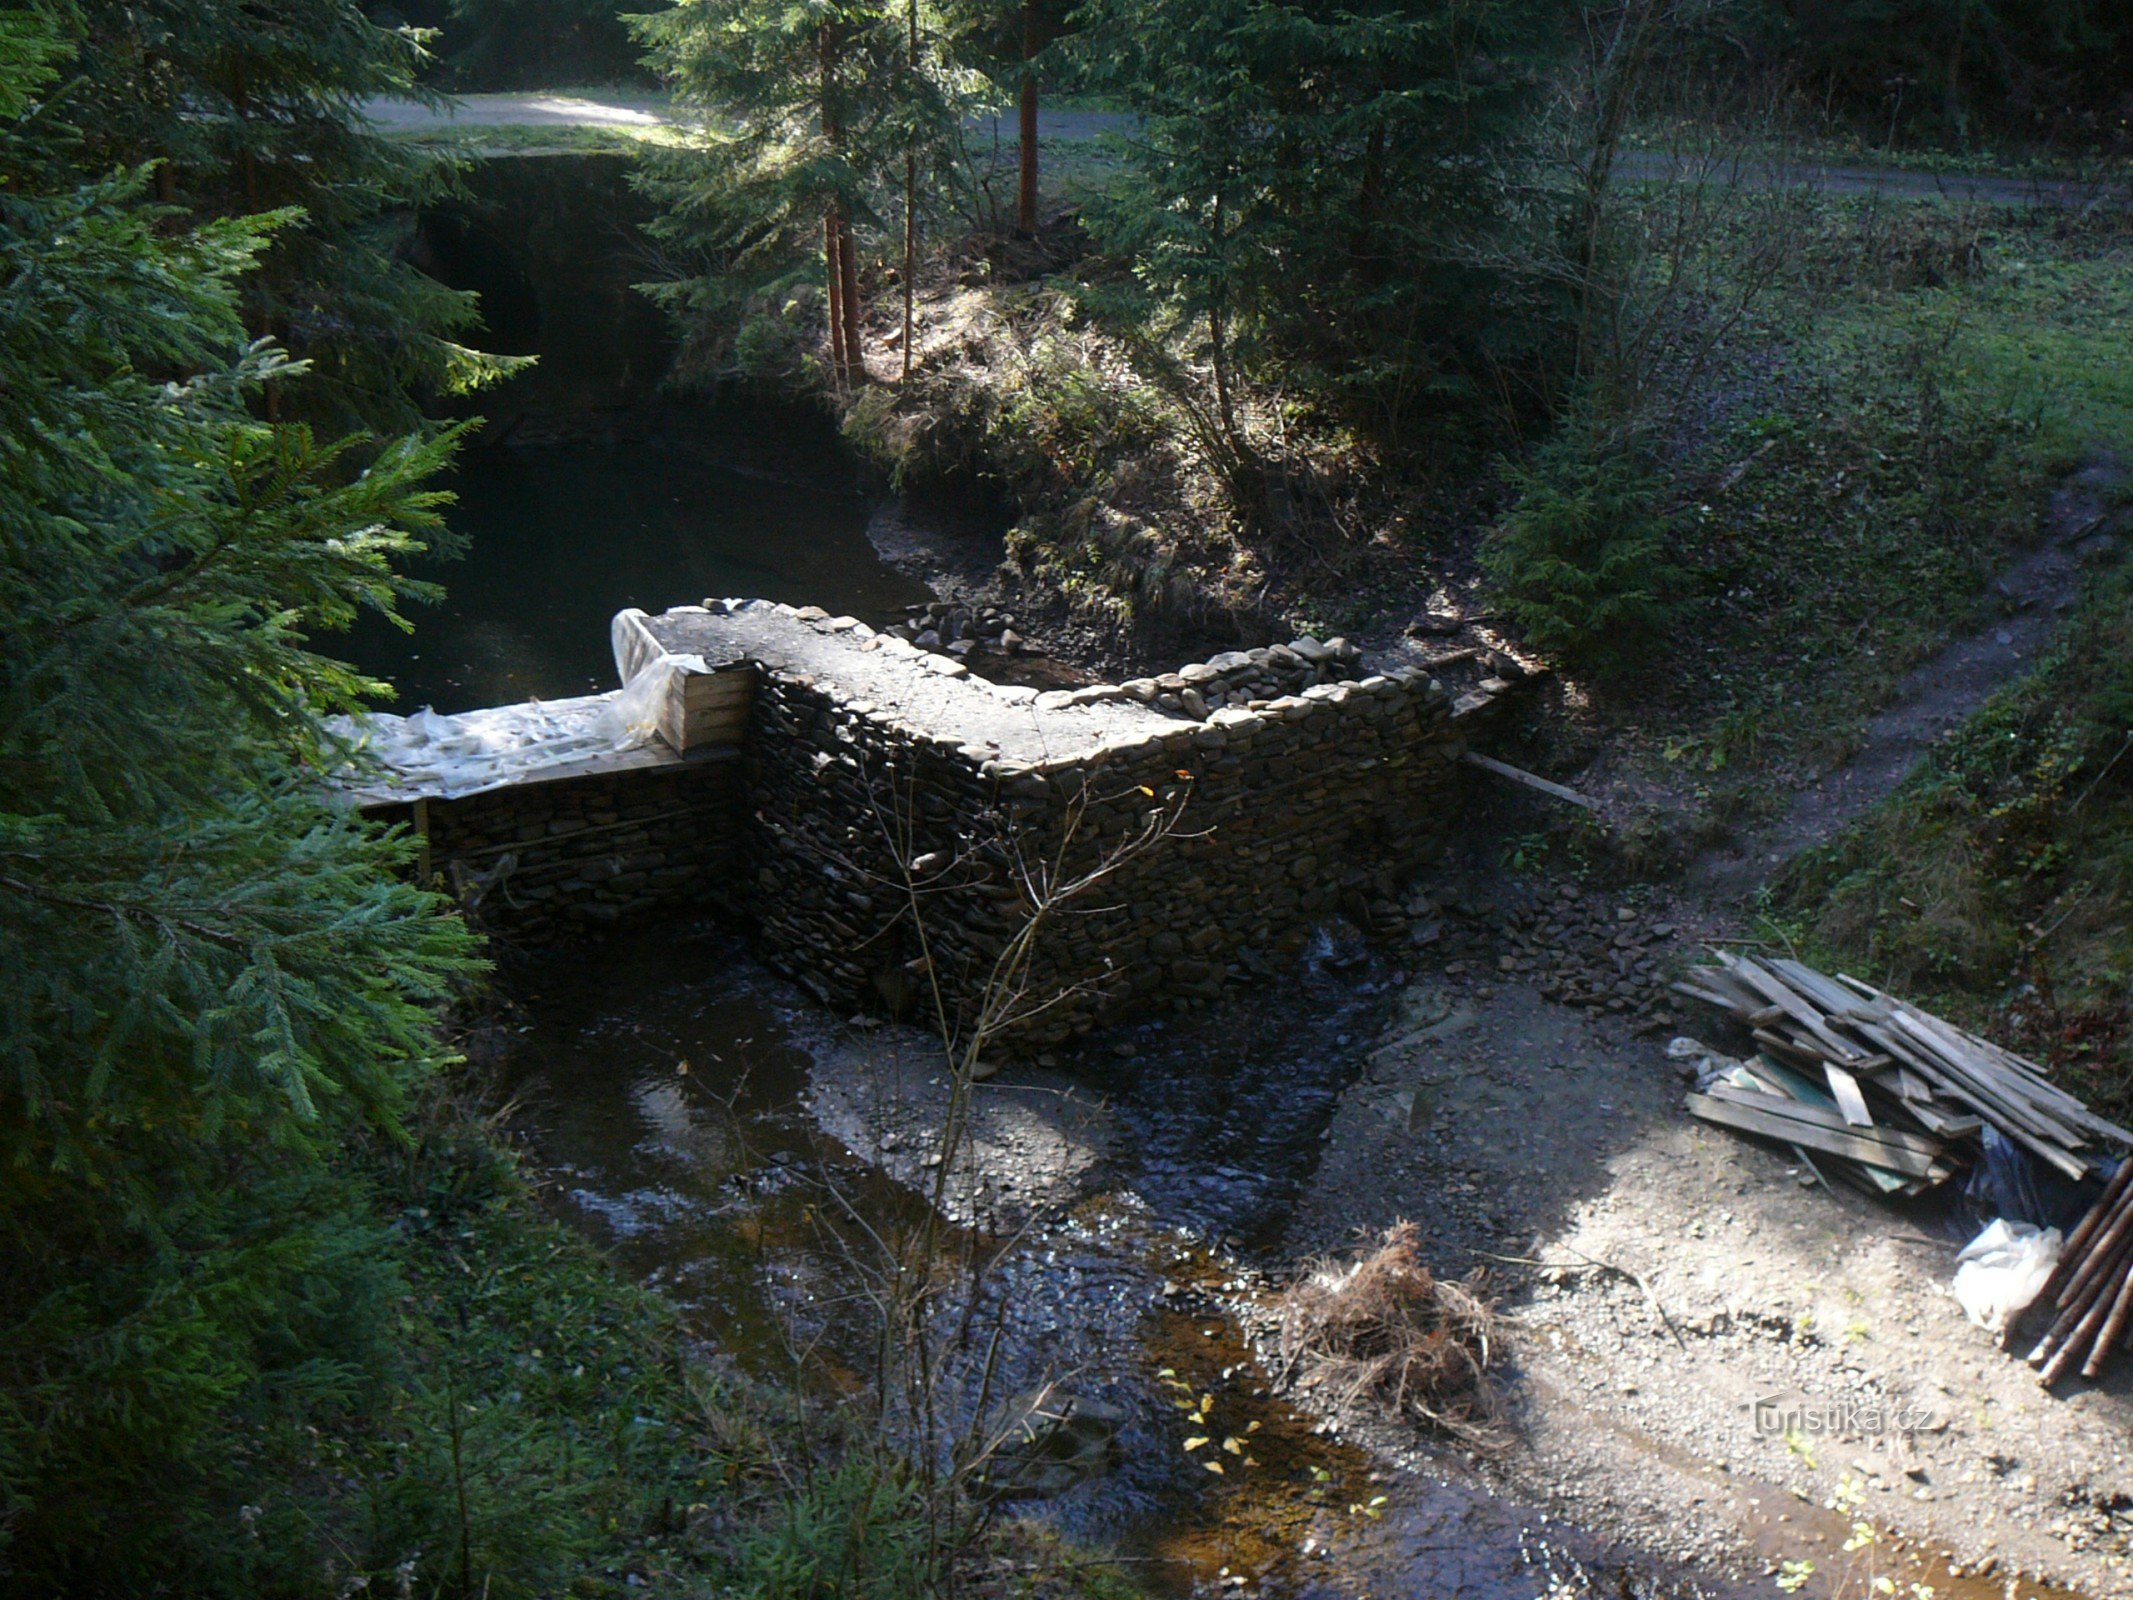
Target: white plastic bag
2003,1269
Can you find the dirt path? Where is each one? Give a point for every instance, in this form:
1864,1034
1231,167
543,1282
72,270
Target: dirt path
556,109
1933,697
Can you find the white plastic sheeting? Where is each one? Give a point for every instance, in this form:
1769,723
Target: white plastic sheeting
470,752
2003,1269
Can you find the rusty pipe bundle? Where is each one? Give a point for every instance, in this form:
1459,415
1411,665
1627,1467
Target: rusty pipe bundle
2091,1291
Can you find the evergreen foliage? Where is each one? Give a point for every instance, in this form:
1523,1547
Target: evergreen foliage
809,114
246,106
1315,183
215,980
1581,562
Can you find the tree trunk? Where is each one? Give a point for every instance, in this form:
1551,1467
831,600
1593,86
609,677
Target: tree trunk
833,277
910,248
911,204
1952,111
1026,184
855,363
1617,71
1218,347
241,103
1225,408
836,238
1362,238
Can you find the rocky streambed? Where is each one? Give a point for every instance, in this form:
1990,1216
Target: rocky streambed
1136,1195
1143,1197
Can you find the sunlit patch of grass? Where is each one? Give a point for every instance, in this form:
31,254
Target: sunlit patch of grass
531,139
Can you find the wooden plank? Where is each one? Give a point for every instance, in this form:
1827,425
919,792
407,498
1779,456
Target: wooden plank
1822,990
1778,1044
1555,791
1791,1130
1946,1124
1849,1100
1727,982
697,690
1800,1010
1792,1085
1987,1086
1918,1144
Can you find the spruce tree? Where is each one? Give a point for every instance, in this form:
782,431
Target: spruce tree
246,106
818,123
1311,180
215,979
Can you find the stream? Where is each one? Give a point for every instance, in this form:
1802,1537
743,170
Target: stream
558,540
675,1091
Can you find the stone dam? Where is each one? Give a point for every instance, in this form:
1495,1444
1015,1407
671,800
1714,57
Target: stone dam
892,826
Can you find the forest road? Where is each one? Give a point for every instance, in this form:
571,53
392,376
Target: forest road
546,109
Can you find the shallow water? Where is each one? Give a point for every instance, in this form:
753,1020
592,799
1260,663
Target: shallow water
664,1079
560,539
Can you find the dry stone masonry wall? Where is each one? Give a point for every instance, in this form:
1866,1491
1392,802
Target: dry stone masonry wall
542,861
899,807
889,822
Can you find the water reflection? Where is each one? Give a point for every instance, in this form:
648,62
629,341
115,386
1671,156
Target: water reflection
560,539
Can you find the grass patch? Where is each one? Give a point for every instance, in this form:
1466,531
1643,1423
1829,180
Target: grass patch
1876,447
1999,879
1837,147
528,139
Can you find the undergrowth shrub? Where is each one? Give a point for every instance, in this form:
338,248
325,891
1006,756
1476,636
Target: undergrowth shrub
1581,562
856,1531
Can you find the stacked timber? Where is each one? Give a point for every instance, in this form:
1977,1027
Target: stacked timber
2091,1291
706,708
1896,1097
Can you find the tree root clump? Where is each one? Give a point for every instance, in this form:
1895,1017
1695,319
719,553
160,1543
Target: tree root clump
1381,1327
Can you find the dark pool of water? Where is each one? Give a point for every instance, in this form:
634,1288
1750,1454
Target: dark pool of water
561,538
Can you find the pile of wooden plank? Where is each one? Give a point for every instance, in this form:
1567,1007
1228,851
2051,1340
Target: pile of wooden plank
2091,1292
1893,1098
